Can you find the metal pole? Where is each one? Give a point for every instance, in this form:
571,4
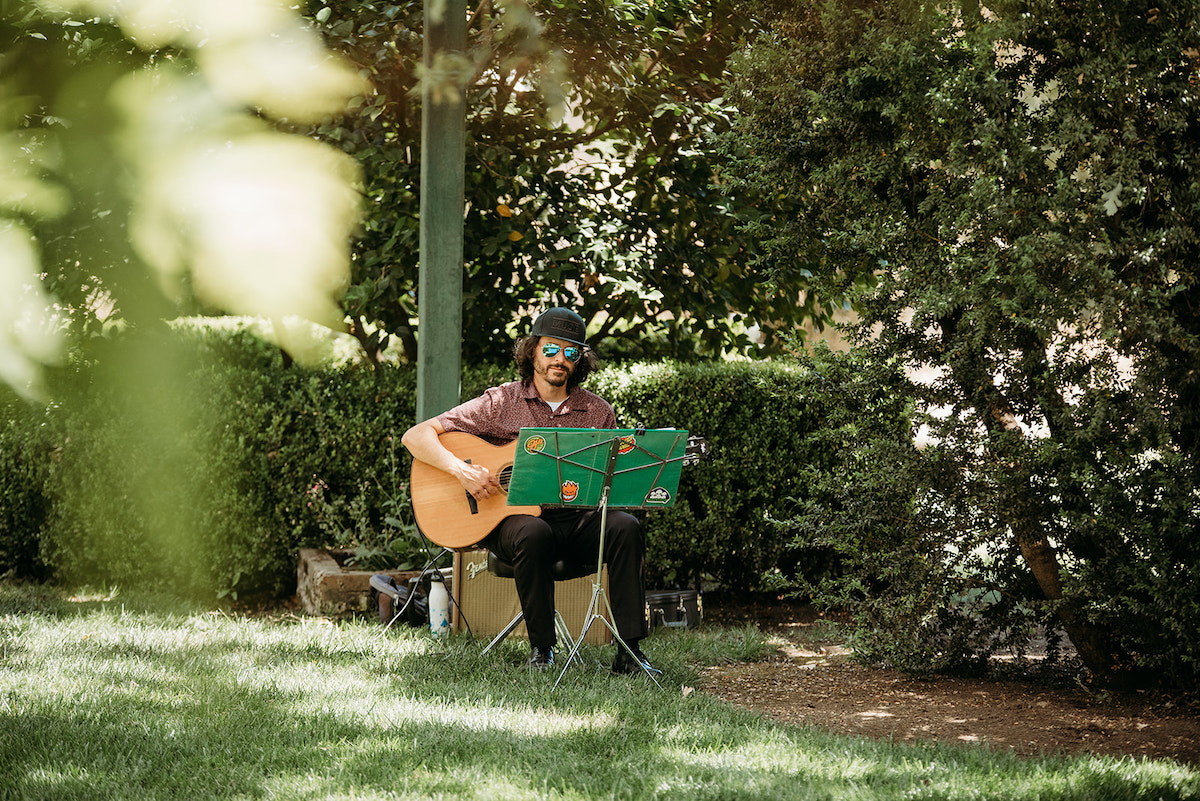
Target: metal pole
443,133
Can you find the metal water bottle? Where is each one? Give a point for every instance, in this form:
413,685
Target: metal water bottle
439,606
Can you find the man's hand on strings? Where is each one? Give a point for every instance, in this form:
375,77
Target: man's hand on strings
478,481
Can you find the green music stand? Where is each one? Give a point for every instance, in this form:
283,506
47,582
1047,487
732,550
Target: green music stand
600,468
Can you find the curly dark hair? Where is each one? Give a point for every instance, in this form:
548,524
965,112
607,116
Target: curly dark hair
523,353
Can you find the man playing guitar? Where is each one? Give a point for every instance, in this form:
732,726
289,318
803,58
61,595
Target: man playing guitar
553,360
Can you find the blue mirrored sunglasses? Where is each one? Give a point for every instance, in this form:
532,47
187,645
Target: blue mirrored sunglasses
571,352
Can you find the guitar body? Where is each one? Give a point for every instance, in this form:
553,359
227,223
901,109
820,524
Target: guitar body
445,513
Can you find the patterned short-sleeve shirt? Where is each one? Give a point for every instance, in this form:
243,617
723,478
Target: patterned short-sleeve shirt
499,414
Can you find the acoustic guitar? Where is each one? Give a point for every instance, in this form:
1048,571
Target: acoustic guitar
453,519
449,516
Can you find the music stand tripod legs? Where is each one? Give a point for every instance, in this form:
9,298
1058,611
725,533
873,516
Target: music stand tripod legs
598,593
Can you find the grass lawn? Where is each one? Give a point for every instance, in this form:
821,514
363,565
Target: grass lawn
121,697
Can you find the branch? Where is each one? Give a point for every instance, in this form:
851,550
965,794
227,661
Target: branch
358,331
477,13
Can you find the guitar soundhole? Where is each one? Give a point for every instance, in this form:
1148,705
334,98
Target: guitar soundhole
505,477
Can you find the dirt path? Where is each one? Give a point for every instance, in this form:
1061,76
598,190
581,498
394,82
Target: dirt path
817,684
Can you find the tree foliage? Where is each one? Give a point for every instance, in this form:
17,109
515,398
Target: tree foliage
142,175
1017,187
587,178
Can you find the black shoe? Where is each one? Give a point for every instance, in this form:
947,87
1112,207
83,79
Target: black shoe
638,663
385,584
541,658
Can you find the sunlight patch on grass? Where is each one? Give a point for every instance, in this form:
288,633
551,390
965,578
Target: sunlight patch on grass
523,720
101,703
371,772
827,765
69,781
90,596
354,695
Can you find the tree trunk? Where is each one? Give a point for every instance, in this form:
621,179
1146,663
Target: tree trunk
974,376
1090,644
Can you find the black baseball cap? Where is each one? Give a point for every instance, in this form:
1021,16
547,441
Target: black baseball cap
561,323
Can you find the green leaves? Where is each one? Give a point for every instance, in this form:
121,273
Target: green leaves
1002,189
616,210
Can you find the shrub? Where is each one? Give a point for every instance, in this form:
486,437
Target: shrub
26,451
198,474
936,582
756,418
200,462
909,559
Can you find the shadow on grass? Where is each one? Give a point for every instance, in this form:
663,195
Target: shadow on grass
243,741
95,705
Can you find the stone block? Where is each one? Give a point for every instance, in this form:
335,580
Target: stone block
327,588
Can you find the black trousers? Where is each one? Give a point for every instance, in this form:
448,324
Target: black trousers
533,544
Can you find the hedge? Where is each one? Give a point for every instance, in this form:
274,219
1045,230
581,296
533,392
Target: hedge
755,417
204,465
210,477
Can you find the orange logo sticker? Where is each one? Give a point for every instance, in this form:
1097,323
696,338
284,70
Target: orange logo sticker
570,491
535,444
626,445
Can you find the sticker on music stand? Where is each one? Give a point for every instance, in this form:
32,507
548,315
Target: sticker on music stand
659,495
570,491
535,444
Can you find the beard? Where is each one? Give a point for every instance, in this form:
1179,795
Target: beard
553,377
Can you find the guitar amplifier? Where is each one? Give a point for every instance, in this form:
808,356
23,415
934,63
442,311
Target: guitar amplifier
486,603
